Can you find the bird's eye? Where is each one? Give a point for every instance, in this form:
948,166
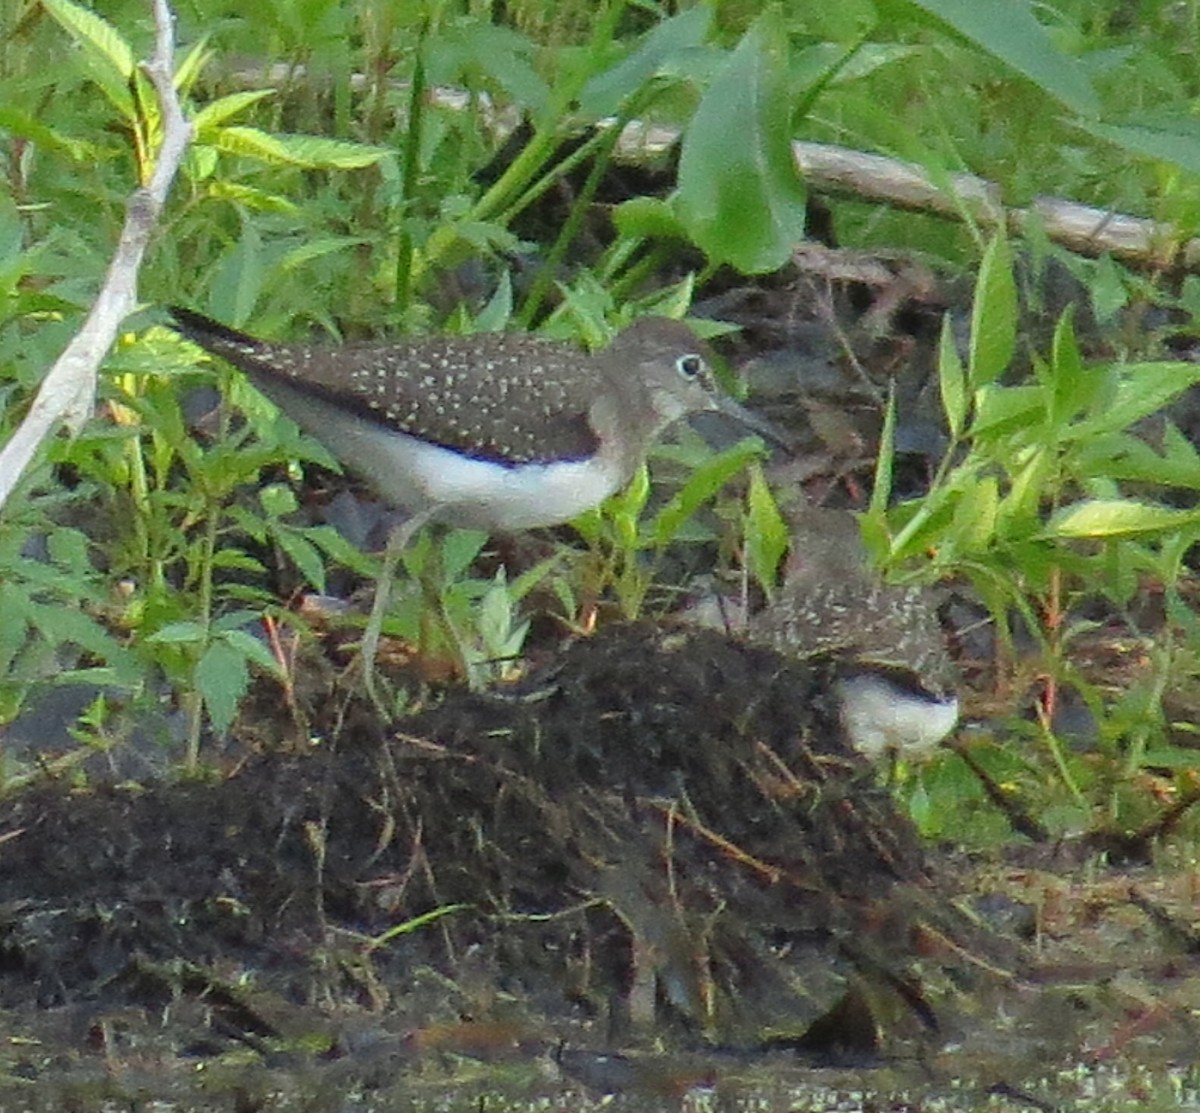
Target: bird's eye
690,366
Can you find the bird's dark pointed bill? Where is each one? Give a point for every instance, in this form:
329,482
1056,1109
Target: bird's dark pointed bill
756,423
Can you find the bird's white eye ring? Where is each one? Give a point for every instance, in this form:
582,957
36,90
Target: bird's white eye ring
690,366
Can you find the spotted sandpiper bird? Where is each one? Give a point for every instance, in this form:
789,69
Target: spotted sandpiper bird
896,686
496,431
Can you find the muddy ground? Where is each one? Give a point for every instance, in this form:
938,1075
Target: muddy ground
653,870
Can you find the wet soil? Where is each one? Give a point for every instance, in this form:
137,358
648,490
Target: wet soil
654,869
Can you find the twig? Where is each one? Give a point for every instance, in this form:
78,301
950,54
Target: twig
67,393
1081,228
837,170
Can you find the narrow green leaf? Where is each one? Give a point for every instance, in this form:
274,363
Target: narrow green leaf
662,48
250,197
648,218
71,624
1072,385
1000,409
306,151
1009,31
1144,389
235,559
237,281
460,549
766,532
881,491
533,577
701,486
974,524
15,605
304,555
222,679
1118,518
922,811
190,66
217,112
19,123
338,549
1174,141
624,509
1108,290
952,380
253,650
332,154
179,633
91,30
416,923
740,194
1034,475
494,316
505,58
993,315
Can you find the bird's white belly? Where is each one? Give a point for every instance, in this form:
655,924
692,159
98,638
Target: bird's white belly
415,475
878,716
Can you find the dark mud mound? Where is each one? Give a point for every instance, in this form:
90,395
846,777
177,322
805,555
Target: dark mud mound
665,832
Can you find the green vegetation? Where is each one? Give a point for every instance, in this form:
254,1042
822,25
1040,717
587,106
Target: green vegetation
329,190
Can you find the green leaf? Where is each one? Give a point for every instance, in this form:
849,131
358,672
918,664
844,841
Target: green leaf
648,218
499,54
237,560
701,486
305,151
1144,389
495,316
1118,518
189,68
338,549
70,624
19,123
1036,474
277,499
1009,31
216,113
1001,409
885,462
222,679
993,315
69,548
15,605
624,509
1107,290
766,532
253,650
106,57
250,197
1073,386
303,554
740,194
922,812
179,633
975,514
952,380
460,549
95,33
662,48
1176,142
237,281
830,63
